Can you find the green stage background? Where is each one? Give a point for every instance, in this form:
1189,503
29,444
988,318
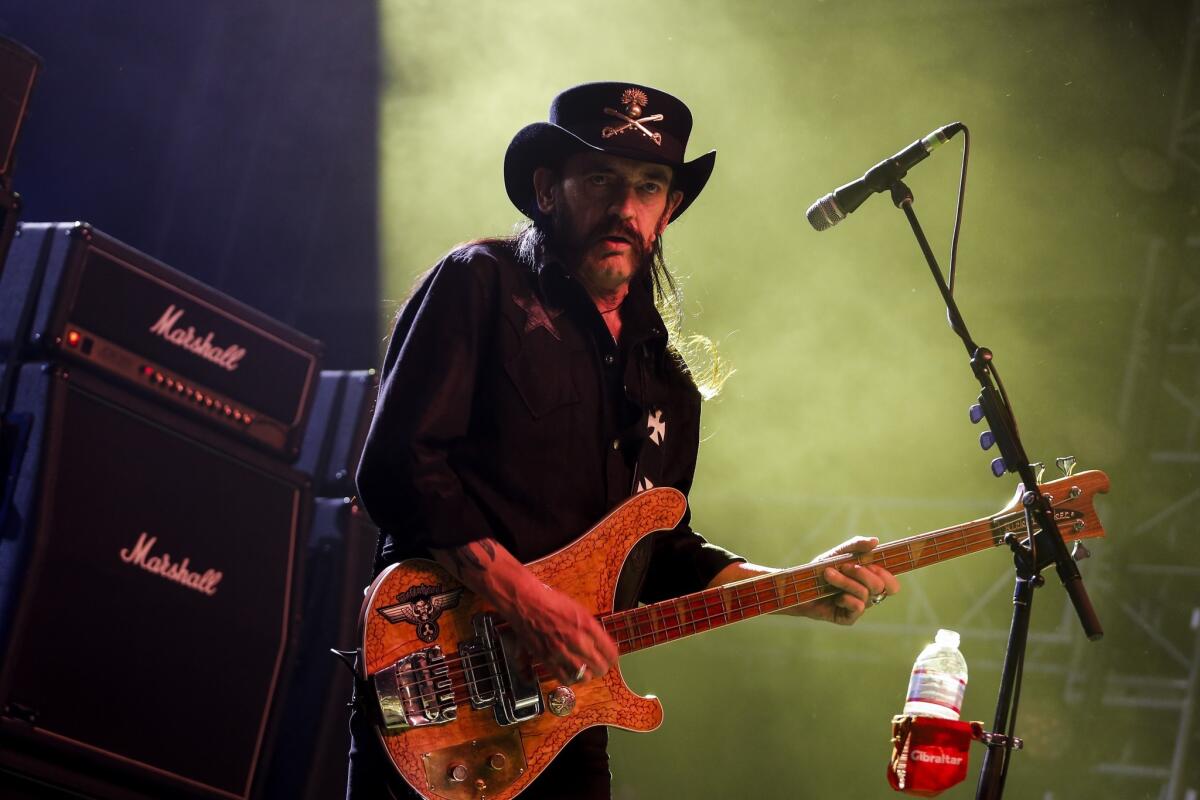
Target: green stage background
847,413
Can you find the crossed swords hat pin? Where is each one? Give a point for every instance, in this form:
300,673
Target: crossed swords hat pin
624,119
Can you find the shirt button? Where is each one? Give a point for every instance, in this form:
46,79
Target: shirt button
616,444
609,360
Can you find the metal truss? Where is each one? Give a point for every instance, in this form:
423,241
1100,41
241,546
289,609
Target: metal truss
1184,145
1160,405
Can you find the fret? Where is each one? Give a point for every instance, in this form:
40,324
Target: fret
670,621
658,625
645,627
681,614
722,594
761,605
780,594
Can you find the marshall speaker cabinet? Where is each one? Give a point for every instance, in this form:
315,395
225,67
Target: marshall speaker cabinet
70,292
149,571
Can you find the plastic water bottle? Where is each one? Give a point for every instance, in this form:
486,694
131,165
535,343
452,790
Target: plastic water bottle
939,678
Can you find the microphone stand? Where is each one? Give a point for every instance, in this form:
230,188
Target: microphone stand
1031,555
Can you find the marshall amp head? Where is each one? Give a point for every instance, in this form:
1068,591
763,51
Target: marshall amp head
69,291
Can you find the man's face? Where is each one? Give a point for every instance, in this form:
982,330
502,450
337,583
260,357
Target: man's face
607,213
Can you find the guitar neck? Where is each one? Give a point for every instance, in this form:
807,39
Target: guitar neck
668,620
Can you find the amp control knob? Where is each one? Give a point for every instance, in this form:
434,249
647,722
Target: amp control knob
457,773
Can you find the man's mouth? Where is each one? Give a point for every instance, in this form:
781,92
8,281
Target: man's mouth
616,240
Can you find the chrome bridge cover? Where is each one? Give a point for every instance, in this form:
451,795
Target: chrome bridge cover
496,677
416,691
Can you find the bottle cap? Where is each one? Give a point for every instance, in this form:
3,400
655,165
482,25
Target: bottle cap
947,638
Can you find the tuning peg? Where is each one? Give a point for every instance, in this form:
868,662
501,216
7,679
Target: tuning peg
1079,552
976,412
999,467
1066,464
987,439
1039,469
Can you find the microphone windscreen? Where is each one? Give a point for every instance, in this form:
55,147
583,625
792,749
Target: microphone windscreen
824,213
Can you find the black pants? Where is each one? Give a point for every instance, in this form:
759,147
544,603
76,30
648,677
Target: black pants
580,772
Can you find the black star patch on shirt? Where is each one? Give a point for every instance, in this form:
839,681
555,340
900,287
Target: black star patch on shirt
537,315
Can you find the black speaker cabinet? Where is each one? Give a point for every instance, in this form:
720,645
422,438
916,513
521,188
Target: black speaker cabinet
148,584
310,755
337,430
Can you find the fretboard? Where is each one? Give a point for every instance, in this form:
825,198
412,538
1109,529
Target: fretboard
668,620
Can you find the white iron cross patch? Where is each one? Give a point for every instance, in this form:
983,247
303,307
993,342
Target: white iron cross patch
656,426
634,100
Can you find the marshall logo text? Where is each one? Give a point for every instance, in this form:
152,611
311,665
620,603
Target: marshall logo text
202,346
139,555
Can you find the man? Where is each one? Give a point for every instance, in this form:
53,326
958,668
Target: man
529,387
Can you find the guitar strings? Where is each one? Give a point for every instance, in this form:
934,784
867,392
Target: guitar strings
895,555
794,595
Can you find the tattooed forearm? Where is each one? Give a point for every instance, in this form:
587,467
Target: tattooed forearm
470,556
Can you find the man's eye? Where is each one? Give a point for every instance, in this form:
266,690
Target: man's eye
597,180
652,188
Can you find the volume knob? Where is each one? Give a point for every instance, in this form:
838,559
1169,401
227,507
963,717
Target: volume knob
457,773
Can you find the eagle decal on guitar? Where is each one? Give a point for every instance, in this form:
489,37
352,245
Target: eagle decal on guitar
421,606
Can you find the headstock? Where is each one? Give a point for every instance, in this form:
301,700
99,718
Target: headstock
1071,497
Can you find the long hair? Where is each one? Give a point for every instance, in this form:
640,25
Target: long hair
696,355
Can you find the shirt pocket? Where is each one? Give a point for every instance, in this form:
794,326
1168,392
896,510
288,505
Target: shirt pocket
544,386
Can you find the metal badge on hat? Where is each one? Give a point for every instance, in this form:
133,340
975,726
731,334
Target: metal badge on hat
634,100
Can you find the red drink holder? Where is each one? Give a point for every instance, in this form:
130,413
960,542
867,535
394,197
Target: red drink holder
929,755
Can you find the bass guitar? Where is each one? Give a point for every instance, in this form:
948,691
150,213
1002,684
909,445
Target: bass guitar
462,717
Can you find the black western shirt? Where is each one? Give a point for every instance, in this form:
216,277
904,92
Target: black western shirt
507,410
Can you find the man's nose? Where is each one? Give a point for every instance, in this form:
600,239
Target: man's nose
624,201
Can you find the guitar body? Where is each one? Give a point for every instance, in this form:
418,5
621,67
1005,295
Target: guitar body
474,755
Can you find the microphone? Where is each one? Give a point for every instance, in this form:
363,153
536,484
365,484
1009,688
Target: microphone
833,207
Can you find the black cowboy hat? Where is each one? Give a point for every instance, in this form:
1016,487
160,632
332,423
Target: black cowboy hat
624,119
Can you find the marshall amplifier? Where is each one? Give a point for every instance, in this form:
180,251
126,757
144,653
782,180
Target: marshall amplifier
72,292
18,70
149,596
337,430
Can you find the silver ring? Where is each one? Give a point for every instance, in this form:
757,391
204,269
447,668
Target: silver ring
582,671
876,599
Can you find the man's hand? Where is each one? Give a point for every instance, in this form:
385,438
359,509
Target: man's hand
560,633
551,628
858,583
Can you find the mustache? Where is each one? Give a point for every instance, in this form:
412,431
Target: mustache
617,227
